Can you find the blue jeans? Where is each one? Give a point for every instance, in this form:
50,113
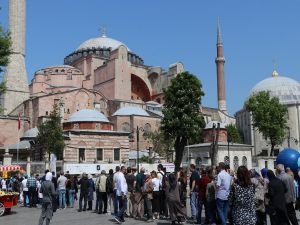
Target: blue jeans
116,203
222,208
194,204
71,197
122,206
62,198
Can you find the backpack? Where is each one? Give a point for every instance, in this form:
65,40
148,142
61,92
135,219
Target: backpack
109,185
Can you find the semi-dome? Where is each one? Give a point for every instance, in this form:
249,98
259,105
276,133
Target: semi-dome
101,42
285,89
130,110
31,133
88,115
210,124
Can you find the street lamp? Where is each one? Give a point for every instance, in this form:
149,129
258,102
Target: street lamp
137,130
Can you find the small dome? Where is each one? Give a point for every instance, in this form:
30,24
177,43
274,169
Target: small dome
211,123
129,110
102,42
88,115
284,88
31,133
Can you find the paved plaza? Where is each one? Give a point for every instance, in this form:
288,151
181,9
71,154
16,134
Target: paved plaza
70,216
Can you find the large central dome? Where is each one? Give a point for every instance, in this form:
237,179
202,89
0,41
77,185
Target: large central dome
101,42
284,88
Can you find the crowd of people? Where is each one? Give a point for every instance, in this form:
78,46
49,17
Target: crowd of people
242,198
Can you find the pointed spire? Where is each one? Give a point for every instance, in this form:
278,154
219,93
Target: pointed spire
219,38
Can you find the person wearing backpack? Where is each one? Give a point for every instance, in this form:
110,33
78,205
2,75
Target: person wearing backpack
138,198
70,186
101,189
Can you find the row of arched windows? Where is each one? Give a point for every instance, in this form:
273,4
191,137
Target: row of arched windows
236,163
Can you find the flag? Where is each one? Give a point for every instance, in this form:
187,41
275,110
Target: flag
19,122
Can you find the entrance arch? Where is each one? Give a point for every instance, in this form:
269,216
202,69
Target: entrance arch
139,89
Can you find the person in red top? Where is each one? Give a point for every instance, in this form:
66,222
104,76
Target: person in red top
202,185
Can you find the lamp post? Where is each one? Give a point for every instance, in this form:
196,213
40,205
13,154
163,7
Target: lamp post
137,130
228,141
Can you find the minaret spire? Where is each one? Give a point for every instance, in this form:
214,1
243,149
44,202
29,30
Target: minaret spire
15,75
220,61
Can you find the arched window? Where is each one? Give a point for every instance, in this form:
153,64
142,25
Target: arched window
125,127
244,161
235,163
226,160
147,128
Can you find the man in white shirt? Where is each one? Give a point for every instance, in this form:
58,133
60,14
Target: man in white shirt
115,200
121,192
223,188
25,190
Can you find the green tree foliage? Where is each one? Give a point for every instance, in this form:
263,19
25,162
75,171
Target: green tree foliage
159,143
269,117
182,120
233,134
5,51
50,136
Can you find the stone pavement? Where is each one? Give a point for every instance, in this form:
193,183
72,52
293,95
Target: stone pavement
70,216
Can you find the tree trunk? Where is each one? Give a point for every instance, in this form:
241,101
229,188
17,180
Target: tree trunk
180,143
272,149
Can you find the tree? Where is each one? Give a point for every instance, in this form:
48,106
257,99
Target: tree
182,120
233,134
5,51
50,137
268,116
159,143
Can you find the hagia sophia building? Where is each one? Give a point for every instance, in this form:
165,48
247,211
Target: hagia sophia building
104,91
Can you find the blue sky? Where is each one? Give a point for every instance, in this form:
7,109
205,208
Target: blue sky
255,34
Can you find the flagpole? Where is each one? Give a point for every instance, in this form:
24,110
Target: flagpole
18,148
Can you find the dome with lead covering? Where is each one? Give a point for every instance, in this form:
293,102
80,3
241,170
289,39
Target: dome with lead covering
285,89
101,42
130,110
88,115
31,133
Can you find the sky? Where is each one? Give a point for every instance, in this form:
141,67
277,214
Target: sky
258,36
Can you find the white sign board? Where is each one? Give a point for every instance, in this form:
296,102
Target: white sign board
79,168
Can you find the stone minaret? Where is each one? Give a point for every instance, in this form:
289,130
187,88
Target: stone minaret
220,61
15,75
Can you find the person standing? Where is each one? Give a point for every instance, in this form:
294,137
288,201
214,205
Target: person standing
101,188
202,185
194,191
84,189
290,196
130,179
277,203
61,184
71,190
211,199
31,184
148,192
116,203
222,187
138,205
241,198
48,191
121,192
91,188
25,190
176,208
110,191
156,196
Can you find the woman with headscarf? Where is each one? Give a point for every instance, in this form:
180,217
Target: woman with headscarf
48,191
176,208
277,204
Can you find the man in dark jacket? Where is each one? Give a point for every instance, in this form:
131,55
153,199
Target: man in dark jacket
202,185
277,205
84,190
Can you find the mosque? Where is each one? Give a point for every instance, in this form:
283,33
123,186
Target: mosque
287,91
104,92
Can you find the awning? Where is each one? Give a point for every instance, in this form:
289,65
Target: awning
11,168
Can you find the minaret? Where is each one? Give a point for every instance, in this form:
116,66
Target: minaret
220,61
15,75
